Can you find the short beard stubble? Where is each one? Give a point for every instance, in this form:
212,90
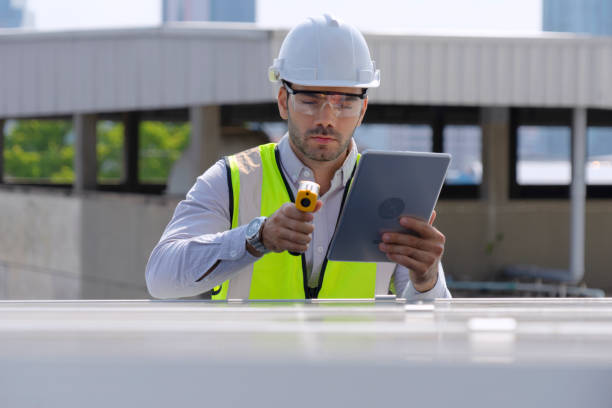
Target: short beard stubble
299,141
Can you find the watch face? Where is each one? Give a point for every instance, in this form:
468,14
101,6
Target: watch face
253,227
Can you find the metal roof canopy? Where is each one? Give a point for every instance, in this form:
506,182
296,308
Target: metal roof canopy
179,65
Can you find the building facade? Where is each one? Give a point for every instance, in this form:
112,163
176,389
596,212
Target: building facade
577,16
10,16
208,10
436,90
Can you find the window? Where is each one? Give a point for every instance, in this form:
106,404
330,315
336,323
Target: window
274,131
543,155
541,149
599,155
39,151
394,137
432,129
160,145
109,151
464,143
540,153
396,127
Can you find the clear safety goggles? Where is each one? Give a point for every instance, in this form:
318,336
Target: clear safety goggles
311,102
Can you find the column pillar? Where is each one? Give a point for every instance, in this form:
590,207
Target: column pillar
206,130
131,138
85,158
1,151
203,150
495,128
578,194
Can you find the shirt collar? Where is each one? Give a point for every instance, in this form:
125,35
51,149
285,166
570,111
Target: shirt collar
292,166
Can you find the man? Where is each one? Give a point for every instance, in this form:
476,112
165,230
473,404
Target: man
234,230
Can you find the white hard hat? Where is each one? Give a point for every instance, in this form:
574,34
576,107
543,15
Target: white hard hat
324,51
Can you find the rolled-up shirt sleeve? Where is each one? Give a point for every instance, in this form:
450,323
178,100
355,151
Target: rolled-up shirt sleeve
198,250
406,290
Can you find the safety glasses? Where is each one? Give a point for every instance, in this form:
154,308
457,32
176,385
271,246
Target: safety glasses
311,102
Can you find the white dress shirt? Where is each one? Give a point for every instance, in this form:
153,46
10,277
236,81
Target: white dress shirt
199,236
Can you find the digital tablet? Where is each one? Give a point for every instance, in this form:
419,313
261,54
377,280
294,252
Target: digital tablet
386,186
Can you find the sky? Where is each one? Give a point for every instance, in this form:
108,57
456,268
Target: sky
489,16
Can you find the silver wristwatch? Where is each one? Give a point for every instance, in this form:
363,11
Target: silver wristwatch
253,234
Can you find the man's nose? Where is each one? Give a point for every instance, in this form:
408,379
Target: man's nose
326,115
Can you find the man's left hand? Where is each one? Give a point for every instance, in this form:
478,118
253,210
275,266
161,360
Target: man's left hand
420,254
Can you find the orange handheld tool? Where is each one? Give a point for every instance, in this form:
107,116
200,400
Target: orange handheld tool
307,196
306,199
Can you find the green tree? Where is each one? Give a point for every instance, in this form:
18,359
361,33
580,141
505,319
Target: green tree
109,149
161,144
39,150
43,150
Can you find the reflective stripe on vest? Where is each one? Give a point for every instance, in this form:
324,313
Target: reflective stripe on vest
257,187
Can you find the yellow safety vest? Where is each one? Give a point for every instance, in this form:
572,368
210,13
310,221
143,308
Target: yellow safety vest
258,187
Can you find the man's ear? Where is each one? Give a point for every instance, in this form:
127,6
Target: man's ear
363,110
281,100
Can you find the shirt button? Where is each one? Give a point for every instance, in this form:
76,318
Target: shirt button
320,249
233,253
307,173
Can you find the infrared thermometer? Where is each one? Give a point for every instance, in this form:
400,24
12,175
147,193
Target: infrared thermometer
306,198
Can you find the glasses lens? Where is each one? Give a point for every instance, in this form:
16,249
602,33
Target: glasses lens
341,105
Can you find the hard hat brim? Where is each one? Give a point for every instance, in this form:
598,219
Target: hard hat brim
348,84
274,75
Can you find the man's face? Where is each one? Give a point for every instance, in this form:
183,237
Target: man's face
318,129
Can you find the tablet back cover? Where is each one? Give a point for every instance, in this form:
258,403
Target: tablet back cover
386,185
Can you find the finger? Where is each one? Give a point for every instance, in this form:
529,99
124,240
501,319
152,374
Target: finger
290,211
417,225
434,245
292,236
297,226
318,206
285,245
422,228
416,266
433,217
425,257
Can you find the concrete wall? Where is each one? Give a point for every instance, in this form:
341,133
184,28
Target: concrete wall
95,245
55,246
40,245
532,232
118,232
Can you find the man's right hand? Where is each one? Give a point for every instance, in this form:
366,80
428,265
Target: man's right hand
289,229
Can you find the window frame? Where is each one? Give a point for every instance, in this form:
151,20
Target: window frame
130,183
437,117
35,183
235,115
551,117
